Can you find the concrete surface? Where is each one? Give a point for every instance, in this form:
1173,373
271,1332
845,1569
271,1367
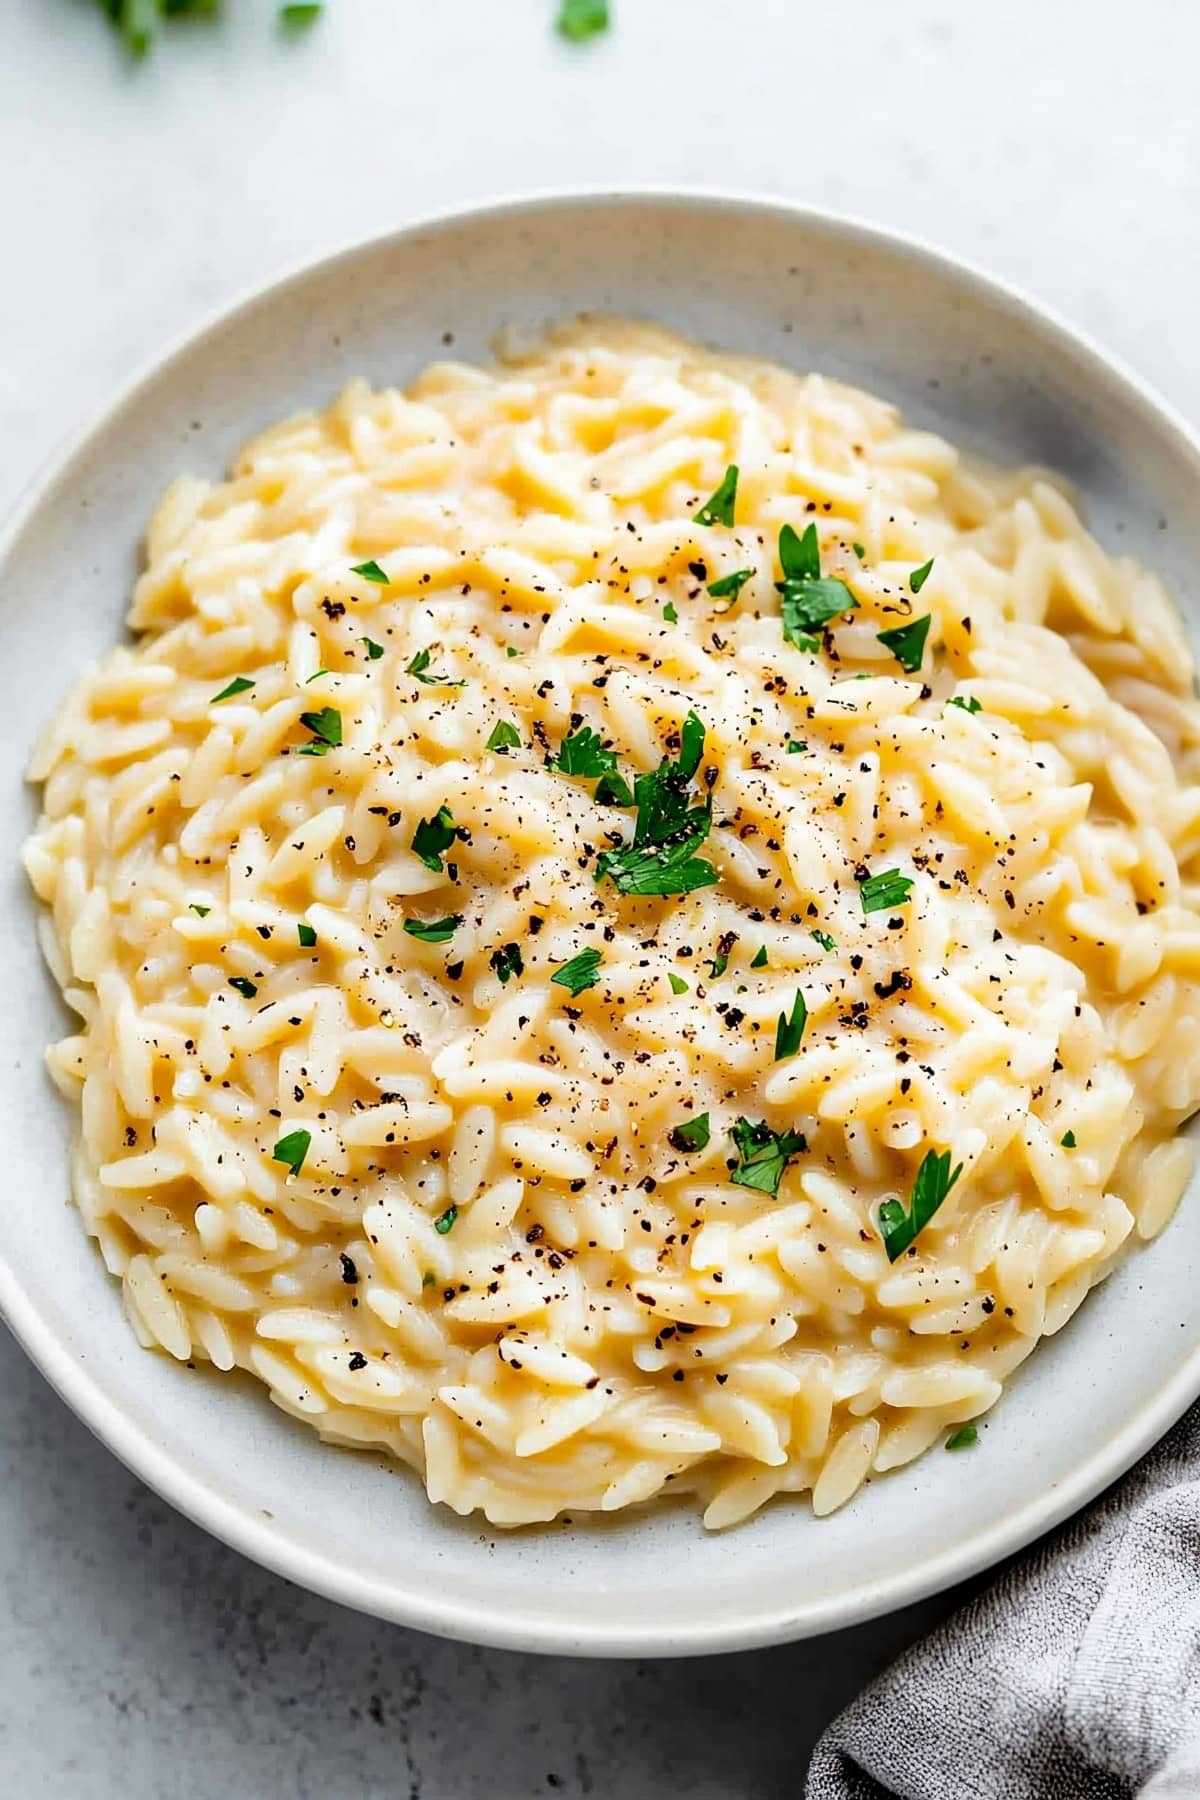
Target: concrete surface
1056,144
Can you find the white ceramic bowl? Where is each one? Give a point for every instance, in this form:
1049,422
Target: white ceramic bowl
961,355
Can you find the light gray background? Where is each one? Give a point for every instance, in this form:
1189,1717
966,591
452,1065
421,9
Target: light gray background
1056,143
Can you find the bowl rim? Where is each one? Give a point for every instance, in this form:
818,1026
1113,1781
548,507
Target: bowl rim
495,1625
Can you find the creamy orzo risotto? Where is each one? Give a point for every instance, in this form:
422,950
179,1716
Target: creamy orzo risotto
634,922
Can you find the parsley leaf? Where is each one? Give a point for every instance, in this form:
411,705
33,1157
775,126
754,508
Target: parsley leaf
808,599
292,1150
919,577
879,893
660,870
826,942
504,737
239,685
507,962
317,676
326,727
669,829
613,790
445,1221
965,1438
371,571
1068,1140
298,13
730,586
669,614
898,1228
718,508
795,747
907,642
790,1028
583,971
438,931
374,650
968,703
764,1154
307,936
799,557
692,1134
246,989
678,984
582,753
582,19
759,959
433,837
418,666
201,912
859,550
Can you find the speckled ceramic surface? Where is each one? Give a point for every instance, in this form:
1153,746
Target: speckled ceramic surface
960,356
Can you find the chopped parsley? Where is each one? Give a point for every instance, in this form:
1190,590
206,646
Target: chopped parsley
371,571
239,685
899,1228
582,753
437,931
730,586
583,971
796,747
718,508
668,830
692,1134
919,577
137,21
826,942
374,650
678,984
582,19
445,1221
808,599
433,837
428,1279
613,790
763,1154
882,892
720,962
420,664
507,961
326,728
968,703
247,989
306,935
907,642
759,959
504,737
298,13
965,1438
790,1028
317,676
669,613
860,550
511,650
201,912
1068,1140
292,1150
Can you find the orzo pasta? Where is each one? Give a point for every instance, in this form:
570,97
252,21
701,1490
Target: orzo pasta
635,926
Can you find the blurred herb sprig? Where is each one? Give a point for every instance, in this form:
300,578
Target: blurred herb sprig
138,21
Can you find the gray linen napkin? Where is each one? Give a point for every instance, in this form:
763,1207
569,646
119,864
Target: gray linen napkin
1076,1677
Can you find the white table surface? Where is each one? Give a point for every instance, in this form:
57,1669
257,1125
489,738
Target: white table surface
1047,140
